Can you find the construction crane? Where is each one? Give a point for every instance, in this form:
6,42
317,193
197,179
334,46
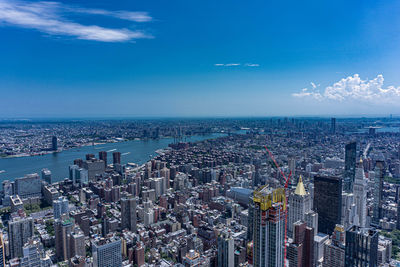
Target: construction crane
286,181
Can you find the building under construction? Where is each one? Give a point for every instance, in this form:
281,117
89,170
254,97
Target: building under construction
268,226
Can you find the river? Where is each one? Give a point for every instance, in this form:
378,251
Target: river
135,151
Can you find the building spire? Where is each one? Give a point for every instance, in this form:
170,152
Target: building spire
300,188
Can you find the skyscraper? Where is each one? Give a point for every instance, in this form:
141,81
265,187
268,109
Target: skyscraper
63,227
107,252
28,186
54,145
46,175
116,157
128,213
300,251
76,243
328,202
226,247
361,247
360,196
103,157
333,125
378,176
20,229
292,166
350,160
60,207
299,205
268,227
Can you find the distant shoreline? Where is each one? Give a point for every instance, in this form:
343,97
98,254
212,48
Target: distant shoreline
91,144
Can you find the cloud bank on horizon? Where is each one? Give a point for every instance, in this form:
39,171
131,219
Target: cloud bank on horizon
354,88
50,18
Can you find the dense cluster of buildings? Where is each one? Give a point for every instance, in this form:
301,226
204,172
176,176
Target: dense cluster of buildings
328,198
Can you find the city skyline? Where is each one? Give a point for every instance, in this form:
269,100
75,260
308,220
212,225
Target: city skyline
192,59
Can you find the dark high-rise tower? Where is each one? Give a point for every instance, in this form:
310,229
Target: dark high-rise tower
350,162
333,125
128,213
328,202
116,157
54,145
377,191
103,157
361,247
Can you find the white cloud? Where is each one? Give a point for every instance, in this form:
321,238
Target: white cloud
236,64
125,15
45,17
252,65
354,88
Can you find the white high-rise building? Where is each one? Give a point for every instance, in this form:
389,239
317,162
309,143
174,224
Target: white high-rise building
360,196
349,210
60,207
299,205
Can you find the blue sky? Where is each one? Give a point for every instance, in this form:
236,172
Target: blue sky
199,58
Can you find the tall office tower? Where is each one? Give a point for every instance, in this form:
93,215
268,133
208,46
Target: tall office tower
63,227
20,229
103,157
76,243
46,175
94,167
377,191
2,252
361,247
299,205
73,173
128,213
300,251
78,175
292,166
116,157
311,219
360,196
107,252
350,161
333,125
166,173
54,145
334,248
28,186
60,207
328,202
349,210
268,227
226,249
